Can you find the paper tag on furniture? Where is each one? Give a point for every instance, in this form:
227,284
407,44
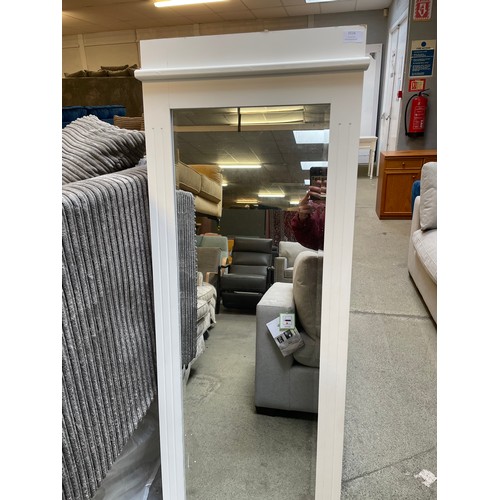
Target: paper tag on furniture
288,340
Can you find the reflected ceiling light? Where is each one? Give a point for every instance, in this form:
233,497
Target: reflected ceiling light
177,3
306,165
319,1
312,136
272,119
238,165
224,184
307,182
247,201
270,109
294,202
271,195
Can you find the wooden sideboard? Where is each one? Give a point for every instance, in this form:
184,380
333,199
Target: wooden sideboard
397,172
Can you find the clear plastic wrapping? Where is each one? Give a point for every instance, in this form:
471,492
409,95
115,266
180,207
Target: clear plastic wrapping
133,473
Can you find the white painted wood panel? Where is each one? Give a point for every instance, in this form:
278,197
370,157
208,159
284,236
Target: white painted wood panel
370,100
209,66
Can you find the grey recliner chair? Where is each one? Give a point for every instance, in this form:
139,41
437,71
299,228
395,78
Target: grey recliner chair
249,274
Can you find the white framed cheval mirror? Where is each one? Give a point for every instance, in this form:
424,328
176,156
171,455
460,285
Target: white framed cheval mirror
282,68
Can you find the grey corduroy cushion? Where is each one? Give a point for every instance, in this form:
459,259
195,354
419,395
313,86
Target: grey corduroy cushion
92,147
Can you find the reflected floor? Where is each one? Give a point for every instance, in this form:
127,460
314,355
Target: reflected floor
232,452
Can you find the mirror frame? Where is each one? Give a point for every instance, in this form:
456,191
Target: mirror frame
255,69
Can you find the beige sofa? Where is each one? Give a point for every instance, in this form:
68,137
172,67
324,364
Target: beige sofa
422,251
205,182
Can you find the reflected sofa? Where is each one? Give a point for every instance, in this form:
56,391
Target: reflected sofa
214,241
290,383
208,262
284,261
205,183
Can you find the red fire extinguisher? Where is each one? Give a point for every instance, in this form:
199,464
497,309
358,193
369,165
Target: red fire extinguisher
416,127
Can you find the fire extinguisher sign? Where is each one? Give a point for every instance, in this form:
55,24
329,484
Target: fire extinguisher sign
416,85
422,58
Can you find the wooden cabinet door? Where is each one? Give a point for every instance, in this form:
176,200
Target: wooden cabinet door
398,171
398,184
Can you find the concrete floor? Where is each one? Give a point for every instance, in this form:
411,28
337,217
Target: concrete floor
391,401
390,424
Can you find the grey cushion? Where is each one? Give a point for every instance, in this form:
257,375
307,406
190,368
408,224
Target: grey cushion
251,259
243,282
307,278
309,354
428,196
264,245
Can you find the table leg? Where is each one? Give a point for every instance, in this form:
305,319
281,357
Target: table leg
370,162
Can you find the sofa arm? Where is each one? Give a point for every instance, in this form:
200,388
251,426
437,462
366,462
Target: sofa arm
280,264
272,369
213,172
415,218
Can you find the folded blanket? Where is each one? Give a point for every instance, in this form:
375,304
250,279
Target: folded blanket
92,147
108,341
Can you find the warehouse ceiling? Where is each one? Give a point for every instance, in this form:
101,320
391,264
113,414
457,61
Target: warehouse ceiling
94,16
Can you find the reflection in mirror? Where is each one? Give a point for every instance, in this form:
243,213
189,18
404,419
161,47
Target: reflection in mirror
258,179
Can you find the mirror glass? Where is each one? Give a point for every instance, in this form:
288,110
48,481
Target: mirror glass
255,174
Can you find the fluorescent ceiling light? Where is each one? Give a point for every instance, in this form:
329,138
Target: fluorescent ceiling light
319,1
248,201
177,3
306,165
271,195
237,165
312,136
307,182
294,202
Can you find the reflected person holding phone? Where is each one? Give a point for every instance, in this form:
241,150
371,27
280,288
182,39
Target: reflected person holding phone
308,225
